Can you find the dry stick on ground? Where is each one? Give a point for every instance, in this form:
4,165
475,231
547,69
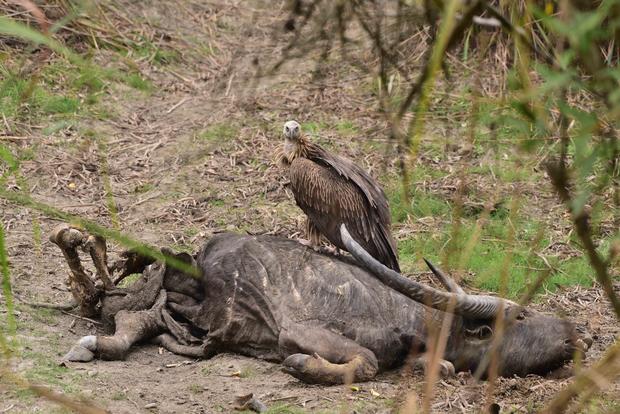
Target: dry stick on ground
57,306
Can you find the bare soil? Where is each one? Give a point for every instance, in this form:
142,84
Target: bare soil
175,185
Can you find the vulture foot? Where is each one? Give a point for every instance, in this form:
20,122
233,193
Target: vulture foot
305,242
331,250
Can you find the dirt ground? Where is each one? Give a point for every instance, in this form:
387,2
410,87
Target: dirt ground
175,185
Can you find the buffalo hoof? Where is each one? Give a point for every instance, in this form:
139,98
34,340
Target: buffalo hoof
83,351
79,354
304,367
446,368
295,363
584,343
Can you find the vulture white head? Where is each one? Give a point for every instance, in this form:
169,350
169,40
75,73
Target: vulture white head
292,130
294,142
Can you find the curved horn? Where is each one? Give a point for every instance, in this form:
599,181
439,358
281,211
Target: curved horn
472,306
445,280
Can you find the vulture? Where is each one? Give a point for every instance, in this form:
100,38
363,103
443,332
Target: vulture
333,190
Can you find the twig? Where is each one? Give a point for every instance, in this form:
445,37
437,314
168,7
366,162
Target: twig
229,84
12,138
144,200
84,318
60,306
175,106
7,409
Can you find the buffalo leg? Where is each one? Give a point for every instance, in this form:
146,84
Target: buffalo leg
131,327
97,248
81,285
316,355
446,368
171,344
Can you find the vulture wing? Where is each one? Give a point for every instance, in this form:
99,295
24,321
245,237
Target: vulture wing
332,190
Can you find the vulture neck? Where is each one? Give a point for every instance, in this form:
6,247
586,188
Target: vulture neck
295,149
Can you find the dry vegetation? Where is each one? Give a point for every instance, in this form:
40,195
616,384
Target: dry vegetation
159,120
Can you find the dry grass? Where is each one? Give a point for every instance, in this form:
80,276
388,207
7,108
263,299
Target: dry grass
192,156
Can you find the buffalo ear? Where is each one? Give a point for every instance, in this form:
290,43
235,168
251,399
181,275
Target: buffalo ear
480,332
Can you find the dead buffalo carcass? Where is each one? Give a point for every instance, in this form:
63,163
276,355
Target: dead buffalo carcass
327,319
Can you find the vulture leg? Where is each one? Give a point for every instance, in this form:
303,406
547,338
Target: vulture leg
316,355
313,233
333,250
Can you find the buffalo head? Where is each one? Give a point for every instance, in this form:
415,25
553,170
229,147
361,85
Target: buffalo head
530,342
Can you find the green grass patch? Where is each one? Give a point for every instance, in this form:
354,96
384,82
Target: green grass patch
221,132
206,370
118,396
60,90
420,203
602,405
492,254
143,188
138,82
182,248
247,372
130,280
43,315
45,370
346,127
59,105
21,96
58,126
154,53
312,127
217,203
282,409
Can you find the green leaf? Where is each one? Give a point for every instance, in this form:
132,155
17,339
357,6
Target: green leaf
10,27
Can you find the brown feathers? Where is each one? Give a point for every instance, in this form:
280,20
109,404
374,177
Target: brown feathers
332,190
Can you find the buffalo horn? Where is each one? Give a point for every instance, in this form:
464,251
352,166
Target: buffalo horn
445,280
470,306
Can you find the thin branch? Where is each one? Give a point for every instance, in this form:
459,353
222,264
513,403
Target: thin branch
581,219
